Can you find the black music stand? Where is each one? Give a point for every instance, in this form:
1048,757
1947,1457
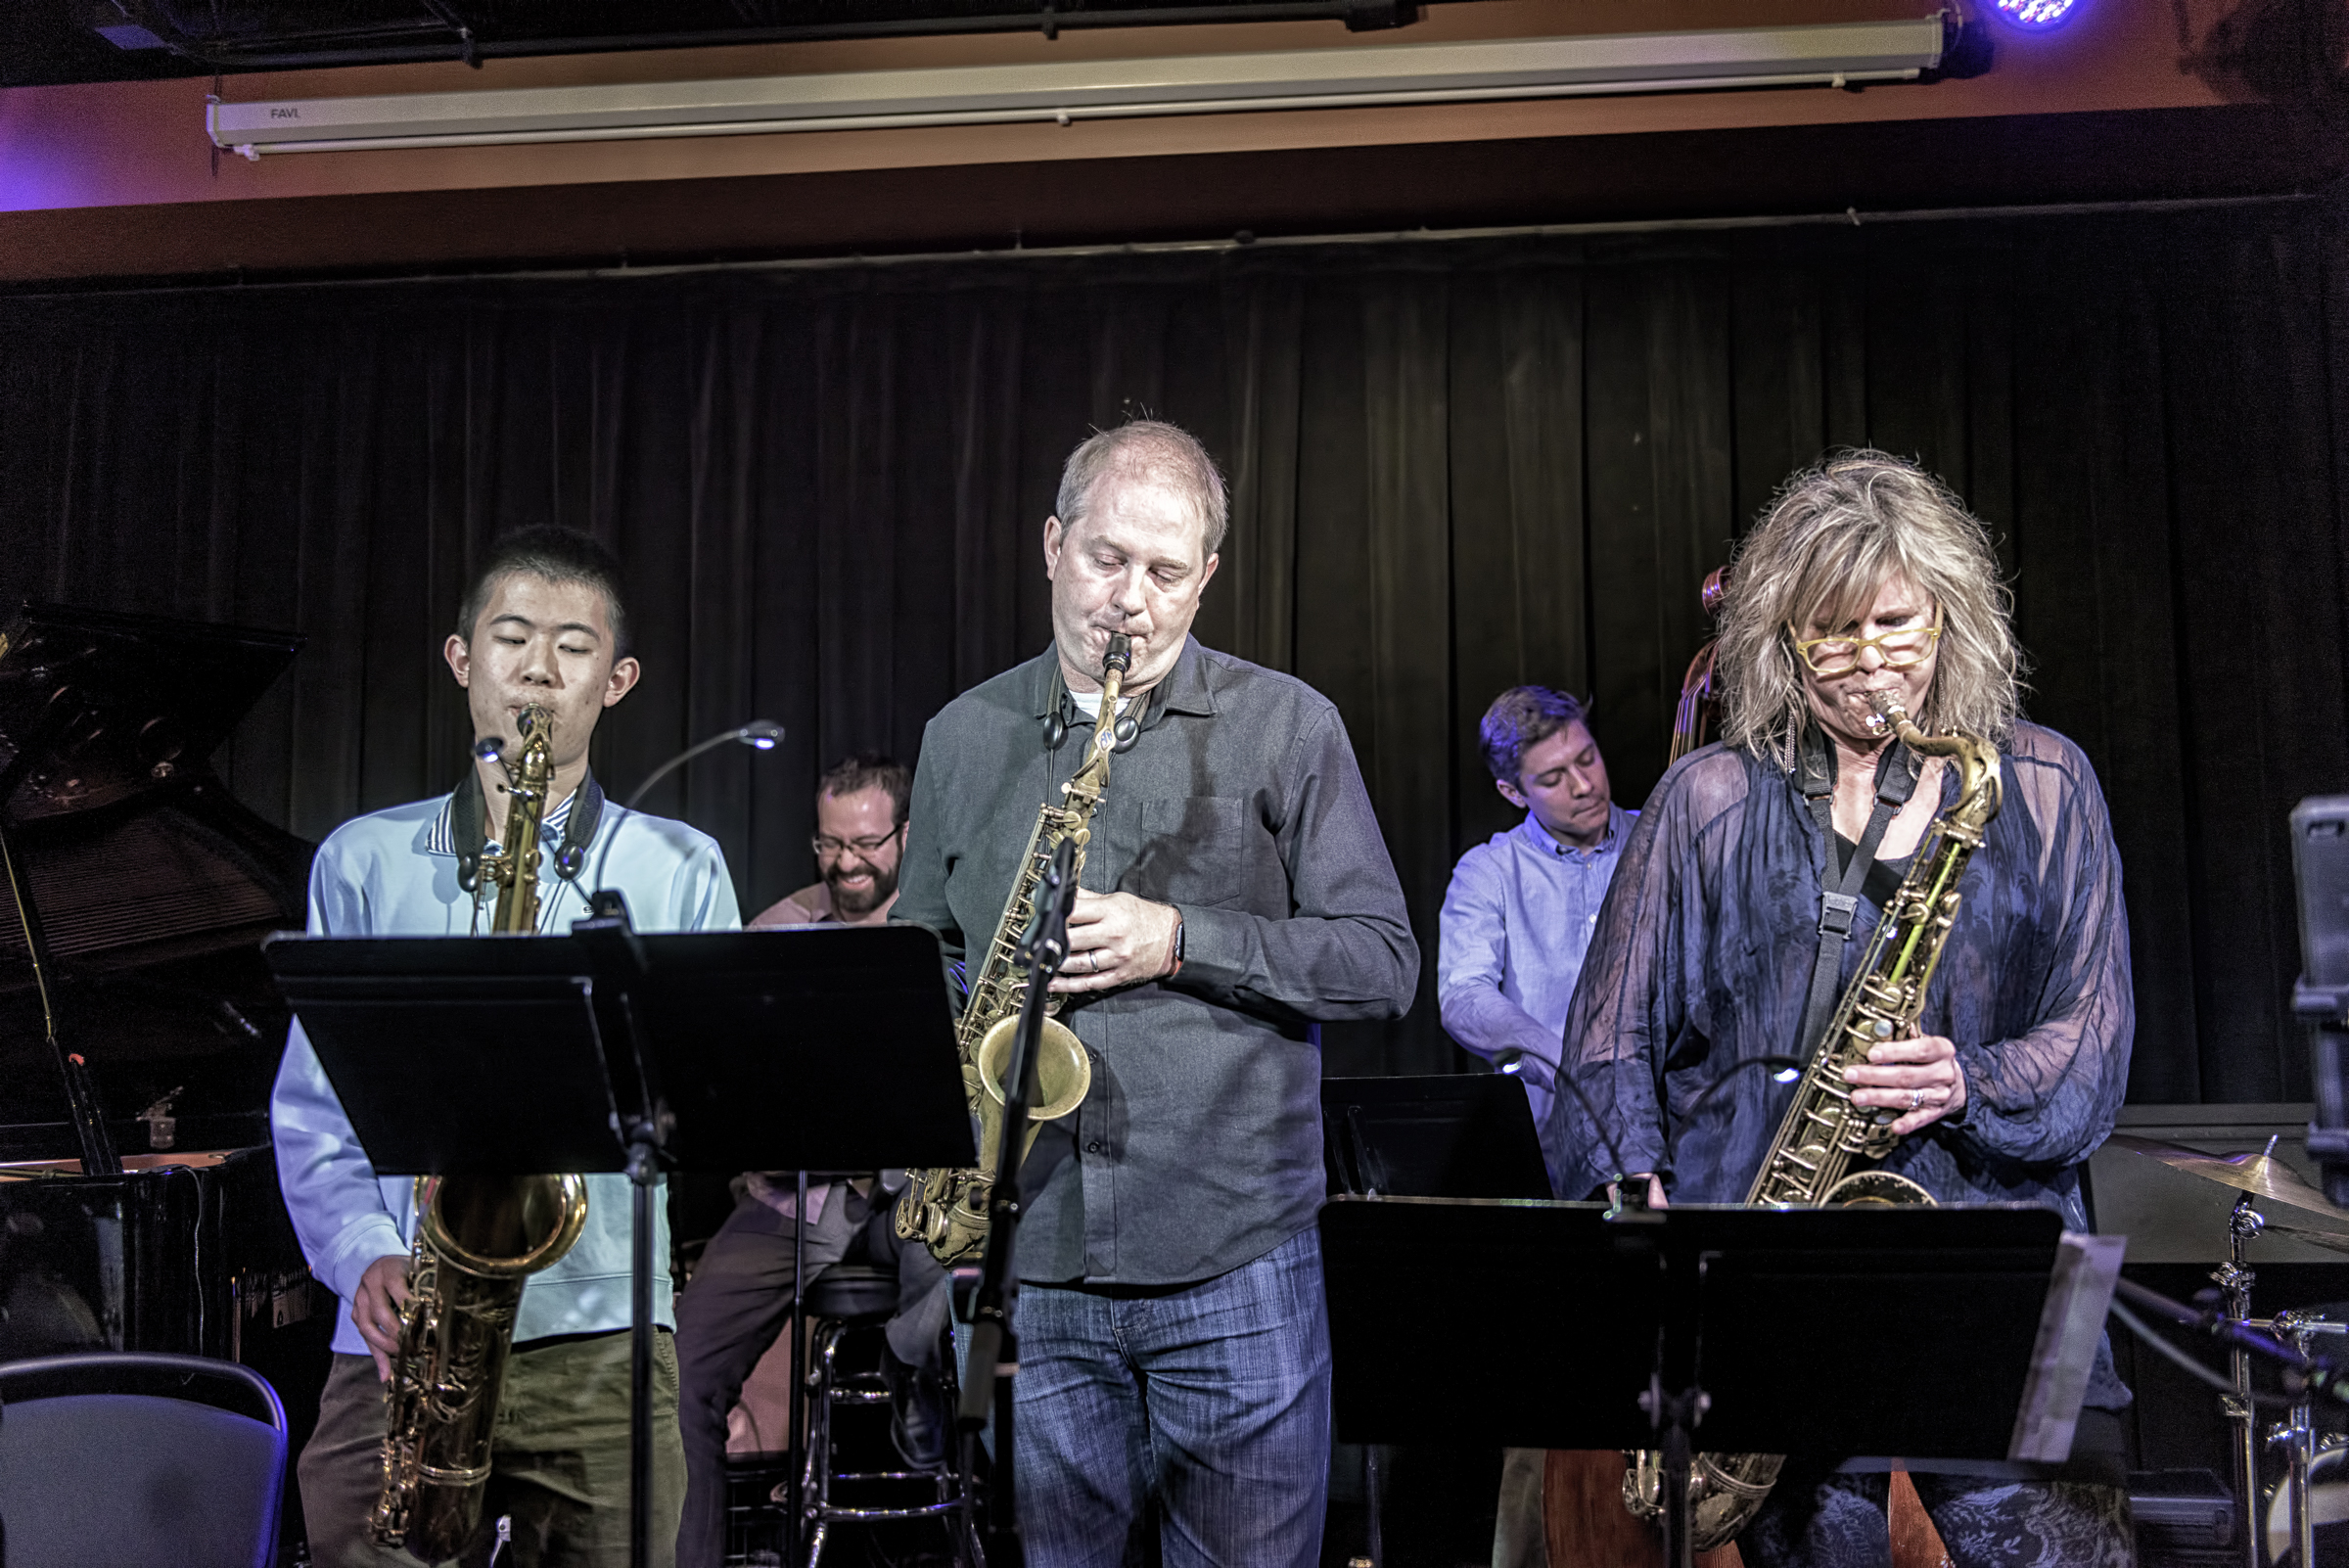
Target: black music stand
1443,1136
1710,1327
609,1050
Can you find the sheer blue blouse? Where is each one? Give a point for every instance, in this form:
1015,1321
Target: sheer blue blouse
1703,956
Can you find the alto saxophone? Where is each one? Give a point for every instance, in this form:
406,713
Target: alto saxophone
946,1210
477,1239
1809,1164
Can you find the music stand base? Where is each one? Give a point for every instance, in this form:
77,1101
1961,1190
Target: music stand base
644,1175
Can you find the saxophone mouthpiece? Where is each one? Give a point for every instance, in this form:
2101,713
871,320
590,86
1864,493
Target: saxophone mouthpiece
1888,711
1118,655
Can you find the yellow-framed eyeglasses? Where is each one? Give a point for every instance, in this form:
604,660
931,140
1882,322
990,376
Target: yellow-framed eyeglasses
1902,649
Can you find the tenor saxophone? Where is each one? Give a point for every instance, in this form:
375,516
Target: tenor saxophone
477,1239
946,1210
1810,1162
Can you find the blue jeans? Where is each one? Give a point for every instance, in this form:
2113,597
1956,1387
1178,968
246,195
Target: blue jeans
1202,1413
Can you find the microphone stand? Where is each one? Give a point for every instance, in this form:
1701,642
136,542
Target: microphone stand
995,1352
619,959
609,937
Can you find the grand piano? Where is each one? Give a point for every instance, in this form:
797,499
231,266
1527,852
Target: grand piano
139,1030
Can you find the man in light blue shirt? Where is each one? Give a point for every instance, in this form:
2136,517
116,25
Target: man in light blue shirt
544,625
1521,908
1517,920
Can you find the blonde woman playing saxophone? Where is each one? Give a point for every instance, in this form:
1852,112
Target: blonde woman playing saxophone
1867,577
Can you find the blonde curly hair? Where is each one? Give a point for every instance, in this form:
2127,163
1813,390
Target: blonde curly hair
1832,537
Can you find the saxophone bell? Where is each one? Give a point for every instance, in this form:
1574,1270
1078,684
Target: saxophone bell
478,1238
1063,1075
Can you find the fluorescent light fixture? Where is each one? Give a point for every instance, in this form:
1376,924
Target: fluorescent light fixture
1833,54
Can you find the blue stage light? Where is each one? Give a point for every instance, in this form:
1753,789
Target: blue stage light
2034,16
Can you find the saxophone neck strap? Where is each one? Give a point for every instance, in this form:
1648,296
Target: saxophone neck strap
1839,896
469,828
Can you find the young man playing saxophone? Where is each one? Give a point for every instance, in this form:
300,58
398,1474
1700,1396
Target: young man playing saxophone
1172,1331
1867,579
544,625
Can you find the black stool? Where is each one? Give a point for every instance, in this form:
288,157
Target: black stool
845,1297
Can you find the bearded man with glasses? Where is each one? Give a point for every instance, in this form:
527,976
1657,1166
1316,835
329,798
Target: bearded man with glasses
1750,886
860,834
739,1296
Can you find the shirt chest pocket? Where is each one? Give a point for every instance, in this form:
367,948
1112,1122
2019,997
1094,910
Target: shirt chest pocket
1202,850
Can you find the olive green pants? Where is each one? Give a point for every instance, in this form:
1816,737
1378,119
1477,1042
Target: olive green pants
560,1460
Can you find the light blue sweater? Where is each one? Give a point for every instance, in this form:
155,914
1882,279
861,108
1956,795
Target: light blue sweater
393,873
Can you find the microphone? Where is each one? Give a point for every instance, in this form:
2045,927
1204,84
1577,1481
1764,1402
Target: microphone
760,735
1513,1061
492,747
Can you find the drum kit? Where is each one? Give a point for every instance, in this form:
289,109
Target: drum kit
2304,1516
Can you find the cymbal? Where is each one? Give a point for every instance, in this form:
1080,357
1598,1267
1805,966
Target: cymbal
2258,1174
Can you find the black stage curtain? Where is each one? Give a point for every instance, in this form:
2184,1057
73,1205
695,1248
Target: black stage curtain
1455,466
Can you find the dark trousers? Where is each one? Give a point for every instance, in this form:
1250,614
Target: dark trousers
1839,1521
739,1299
559,1458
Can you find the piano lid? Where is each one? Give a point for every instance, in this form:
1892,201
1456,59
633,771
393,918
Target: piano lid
97,708
154,884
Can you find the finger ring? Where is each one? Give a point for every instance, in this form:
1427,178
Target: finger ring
1093,962
1917,1098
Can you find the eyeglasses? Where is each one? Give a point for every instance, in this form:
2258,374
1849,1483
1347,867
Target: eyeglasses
828,847
1904,649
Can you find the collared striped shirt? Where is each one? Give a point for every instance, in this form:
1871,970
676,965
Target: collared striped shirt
442,839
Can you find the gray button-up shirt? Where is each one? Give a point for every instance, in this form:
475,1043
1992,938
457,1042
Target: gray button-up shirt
1239,802
1517,920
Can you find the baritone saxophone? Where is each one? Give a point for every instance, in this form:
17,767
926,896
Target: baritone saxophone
946,1210
1809,1164
477,1240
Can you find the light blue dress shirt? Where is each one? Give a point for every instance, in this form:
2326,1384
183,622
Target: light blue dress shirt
1517,920
395,874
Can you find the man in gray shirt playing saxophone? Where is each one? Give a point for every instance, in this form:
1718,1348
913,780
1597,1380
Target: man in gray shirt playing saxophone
1173,1334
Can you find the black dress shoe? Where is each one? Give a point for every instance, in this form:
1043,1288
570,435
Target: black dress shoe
918,1424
